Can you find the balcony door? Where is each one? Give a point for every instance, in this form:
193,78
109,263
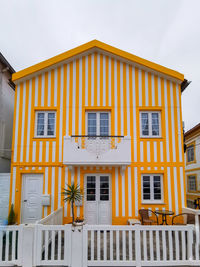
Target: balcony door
97,199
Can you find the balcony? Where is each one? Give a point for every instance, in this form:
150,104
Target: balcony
97,150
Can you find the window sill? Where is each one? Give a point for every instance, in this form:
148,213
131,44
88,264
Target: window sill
44,137
151,137
153,203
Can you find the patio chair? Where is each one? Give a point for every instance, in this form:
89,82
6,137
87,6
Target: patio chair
187,217
144,214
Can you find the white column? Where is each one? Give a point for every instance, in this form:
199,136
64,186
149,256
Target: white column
27,245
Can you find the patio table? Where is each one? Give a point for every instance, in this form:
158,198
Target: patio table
164,214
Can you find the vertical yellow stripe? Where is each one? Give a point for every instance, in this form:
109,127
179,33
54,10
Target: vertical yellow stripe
70,97
45,88
26,121
163,120
149,89
68,205
95,79
58,145
125,99
83,94
101,80
143,88
107,82
89,81
52,88
120,192
75,182
77,98
156,90
62,187
20,122
175,123
39,90
137,112
131,112
172,188
82,187
32,121
179,195
49,187
118,100
133,190
145,153
126,192
113,194
64,103
112,97
56,189
165,186
169,122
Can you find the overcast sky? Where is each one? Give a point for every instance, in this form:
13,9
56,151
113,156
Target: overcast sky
164,31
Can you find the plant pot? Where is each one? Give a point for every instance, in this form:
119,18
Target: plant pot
78,223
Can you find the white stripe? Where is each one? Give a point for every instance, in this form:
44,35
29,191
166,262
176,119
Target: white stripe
49,89
116,192
52,188
55,87
123,194
115,86
176,189
53,151
92,80
42,92
161,151
46,188
13,185
36,91
29,121
141,151
182,187
67,109
61,115
159,91
16,124
140,87
146,89
153,90
104,81
34,151
86,80
59,186
155,168
155,151
74,97
122,99
98,80
129,193
166,121
136,191
134,116
169,188
179,124
148,151
78,182
128,100
47,151
80,96
173,127
40,151
65,186
23,119
109,79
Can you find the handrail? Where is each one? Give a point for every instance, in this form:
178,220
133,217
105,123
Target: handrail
55,218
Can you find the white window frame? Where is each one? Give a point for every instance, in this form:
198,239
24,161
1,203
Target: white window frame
152,200
45,123
187,151
98,121
150,124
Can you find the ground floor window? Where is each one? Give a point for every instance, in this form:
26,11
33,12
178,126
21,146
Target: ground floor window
192,183
152,188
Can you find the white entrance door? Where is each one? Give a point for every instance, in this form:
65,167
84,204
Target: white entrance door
97,199
31,208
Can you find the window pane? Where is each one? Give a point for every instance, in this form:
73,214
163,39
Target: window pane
192,183
40,123
51,124
91,124
104,188
146,188
157,187
155,124
91,188
145,124
104,124
190,153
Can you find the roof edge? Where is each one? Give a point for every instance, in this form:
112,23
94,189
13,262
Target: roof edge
192,130
95,43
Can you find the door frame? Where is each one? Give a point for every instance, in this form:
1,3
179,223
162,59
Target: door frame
23,175
110,191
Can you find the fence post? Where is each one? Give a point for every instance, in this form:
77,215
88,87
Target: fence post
190,242
137,245
27,245
77,246
68,244
85,246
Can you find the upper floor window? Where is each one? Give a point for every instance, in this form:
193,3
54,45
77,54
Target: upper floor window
150,125
192,183
45,124
152,188
190,153
98,123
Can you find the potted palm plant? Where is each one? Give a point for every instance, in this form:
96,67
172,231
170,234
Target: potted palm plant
73,194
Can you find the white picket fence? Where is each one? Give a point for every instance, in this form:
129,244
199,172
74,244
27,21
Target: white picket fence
98,245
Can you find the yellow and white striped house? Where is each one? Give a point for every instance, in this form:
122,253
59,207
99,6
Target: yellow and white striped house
105,119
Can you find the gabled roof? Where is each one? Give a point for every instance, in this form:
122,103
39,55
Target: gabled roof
193,131
96,44
4,61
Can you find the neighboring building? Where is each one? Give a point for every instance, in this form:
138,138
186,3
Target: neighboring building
192,165
7,94
105,119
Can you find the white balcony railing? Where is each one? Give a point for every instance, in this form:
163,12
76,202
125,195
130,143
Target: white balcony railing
98,150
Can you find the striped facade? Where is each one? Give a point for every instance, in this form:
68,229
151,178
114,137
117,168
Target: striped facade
99,81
